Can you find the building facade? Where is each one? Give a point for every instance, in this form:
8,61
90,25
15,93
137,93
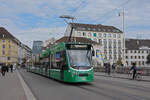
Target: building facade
36,50
111,39
10,48
137,51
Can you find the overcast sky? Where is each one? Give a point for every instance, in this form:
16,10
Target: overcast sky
30,20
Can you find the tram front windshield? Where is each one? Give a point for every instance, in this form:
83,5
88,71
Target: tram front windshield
79,58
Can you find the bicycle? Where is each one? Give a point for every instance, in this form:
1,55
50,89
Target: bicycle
138,75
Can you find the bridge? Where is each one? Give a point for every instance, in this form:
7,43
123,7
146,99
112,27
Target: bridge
23,85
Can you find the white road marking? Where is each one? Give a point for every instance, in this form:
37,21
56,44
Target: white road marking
26,89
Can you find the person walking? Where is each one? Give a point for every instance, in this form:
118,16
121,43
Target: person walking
3,69
108,68
113,67
134,68
11,68
7,68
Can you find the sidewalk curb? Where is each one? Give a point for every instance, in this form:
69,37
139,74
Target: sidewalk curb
120,77
28,93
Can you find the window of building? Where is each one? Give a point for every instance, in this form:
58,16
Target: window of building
83,28
119,43
115,57
3,52
109,35
99,29
105,43
110,57
89,34
139,51
8,58
105,35
139,63
104,30
135,51
3,45
142,62
126,51
84,34
131,51
147,51
114,35
135,57
110,43
94,29
79,33
142,57
99,35
89,29
131,57
115,43
142,51
119,36
94,34
126,57
139,57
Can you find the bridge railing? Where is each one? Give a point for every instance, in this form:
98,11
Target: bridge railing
124,70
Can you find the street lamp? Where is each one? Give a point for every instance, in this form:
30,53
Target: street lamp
70,18
123,26
67,17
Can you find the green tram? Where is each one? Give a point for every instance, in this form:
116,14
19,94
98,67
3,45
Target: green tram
67,62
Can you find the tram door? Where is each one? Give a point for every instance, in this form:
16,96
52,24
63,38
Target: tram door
46,66
62,64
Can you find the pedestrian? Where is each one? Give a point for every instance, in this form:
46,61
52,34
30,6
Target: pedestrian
134,68
113,67
11,68
105,64
108,69
3,69
7,68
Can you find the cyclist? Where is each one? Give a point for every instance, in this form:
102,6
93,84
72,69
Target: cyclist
134,68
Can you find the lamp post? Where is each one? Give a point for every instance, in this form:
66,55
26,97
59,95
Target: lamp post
123,28
69,18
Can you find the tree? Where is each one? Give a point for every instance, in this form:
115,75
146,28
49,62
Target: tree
119,62
148,59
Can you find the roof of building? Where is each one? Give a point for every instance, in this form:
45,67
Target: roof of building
94,27
5,34
137,44
77,39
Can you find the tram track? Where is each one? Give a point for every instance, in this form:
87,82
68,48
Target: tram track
126,85
111,93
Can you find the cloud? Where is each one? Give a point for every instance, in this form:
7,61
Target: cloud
30,20
42,34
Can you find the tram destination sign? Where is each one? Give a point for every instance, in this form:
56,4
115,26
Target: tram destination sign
78,46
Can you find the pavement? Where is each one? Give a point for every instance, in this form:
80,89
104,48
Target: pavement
13,87
123,76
